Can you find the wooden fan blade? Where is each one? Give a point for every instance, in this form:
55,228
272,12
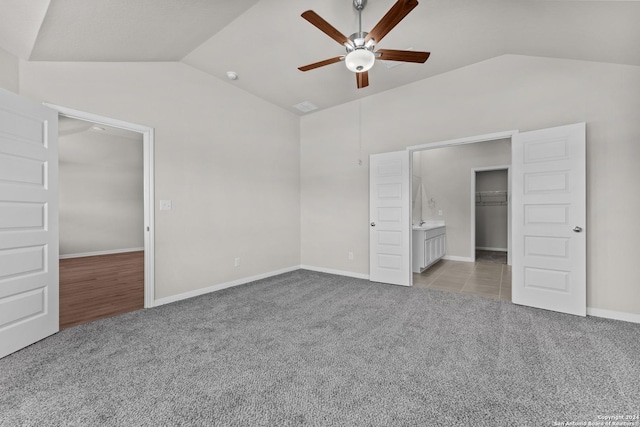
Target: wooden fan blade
321,63
325,27
362,79
403,55
396,14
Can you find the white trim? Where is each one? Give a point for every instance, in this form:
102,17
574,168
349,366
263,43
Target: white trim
509,216
148,143
221,286
338,272
98,253
465,140
411,214
94,118
615,315
458,258
482,248
149,217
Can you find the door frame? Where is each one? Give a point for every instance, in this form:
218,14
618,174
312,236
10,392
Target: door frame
148,144
449,143
474,172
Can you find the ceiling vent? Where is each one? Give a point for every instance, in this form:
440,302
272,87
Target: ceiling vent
305,106
391,64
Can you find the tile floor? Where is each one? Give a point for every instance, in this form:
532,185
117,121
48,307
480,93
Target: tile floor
489,280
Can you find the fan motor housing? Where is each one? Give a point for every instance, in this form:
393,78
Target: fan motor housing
359,4
358,42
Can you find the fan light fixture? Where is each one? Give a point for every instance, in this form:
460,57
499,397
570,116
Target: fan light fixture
361,46
360,60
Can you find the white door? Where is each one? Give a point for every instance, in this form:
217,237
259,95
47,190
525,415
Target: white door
549,219
390,218
28,222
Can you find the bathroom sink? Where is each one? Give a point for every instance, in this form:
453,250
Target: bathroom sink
429,225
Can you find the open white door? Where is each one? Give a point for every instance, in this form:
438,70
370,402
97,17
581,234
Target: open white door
28,222
549,219
390,218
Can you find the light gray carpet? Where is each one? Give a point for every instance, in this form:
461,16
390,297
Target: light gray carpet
308,348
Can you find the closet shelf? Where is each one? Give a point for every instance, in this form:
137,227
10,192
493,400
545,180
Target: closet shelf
492,198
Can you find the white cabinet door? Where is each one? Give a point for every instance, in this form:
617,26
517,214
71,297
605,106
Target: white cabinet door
427,253
432,249
390,218
549,219
28,222
441,239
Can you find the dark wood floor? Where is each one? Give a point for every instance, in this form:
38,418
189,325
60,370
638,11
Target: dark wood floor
96,287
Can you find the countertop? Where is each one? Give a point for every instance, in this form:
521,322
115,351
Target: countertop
429,225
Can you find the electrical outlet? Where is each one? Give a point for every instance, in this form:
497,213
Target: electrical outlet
165,205
236,262
350,256
440,213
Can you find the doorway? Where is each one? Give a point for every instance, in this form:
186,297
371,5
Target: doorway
107,255
549,214
491,214
432,203
449,200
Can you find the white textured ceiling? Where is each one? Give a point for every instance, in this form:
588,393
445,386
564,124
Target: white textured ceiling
20,23
130,30
265,41
110,147
70,126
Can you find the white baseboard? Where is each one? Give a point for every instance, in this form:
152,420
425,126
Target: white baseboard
219,287
482,248
338,272
458,258
596,312
110,252
615,315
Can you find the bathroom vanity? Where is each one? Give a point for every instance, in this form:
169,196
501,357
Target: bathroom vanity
429,244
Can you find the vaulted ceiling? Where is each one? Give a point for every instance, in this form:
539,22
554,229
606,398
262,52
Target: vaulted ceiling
264,41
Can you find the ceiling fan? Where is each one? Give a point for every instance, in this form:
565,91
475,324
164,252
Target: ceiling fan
360,46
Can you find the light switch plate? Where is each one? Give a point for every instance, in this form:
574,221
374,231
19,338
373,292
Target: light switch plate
165,205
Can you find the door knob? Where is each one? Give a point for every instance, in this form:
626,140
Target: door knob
577,229
373,224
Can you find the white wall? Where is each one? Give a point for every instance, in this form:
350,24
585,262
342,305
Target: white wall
504,93
446,177
8,71
101,194
492,217
228,161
